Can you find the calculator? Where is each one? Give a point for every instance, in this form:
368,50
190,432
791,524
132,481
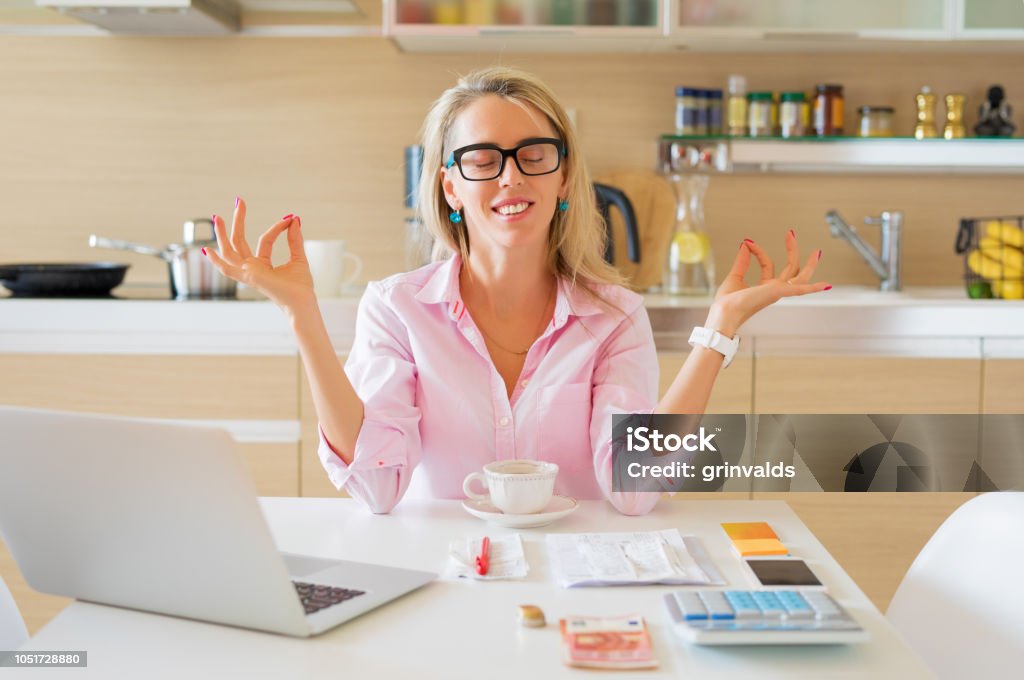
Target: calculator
711,616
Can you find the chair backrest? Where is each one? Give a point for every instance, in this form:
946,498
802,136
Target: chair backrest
961,604
13,633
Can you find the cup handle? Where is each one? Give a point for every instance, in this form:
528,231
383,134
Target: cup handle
473,494
359,268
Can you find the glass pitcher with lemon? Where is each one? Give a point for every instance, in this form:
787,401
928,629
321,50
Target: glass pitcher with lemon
689,268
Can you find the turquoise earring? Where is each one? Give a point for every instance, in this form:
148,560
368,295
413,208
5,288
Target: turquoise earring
455,217
563,205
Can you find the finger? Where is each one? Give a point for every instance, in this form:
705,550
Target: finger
225,268
767,267
224,247
741,263
808,271
792,267
805,288
238,229
265,245
295,245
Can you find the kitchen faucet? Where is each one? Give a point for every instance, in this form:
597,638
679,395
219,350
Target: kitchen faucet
886,263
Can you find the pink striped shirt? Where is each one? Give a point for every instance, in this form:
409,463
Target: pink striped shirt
436,408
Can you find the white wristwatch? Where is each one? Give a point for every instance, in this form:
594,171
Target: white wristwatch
705,337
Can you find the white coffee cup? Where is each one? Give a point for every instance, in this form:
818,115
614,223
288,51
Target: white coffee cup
327,265
517,487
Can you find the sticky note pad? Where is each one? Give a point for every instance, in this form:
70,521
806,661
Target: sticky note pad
751,539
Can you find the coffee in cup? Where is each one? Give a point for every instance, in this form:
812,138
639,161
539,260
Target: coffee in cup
516,487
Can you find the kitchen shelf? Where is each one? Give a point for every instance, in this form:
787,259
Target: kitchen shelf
841,154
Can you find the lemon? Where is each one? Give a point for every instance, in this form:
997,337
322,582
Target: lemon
690,247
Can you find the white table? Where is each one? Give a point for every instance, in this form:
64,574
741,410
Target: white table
460,629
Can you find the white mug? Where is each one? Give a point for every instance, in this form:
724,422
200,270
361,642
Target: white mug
517,487
327,265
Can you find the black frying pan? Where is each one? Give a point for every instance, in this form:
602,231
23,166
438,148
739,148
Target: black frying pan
72,279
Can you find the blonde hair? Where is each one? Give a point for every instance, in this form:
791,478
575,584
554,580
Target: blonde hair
577,236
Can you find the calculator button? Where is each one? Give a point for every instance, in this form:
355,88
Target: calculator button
691,606
796,606
769,604
823,605
743,604
718,606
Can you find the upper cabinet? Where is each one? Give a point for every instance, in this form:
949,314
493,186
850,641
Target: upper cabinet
702,25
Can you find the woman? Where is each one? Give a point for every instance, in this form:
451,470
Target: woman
521,342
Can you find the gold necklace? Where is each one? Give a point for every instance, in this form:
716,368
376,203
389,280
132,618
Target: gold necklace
543,320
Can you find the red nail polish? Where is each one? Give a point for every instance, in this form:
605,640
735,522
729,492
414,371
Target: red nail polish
298,220
828,287
214,216
288,216
748,240
792,233
819,254
204,251
236,201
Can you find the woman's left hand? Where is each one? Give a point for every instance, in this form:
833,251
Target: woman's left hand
735,301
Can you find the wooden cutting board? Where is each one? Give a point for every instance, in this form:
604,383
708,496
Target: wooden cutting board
654,202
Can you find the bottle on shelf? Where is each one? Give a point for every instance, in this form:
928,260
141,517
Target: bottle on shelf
955,128
736,109
925,127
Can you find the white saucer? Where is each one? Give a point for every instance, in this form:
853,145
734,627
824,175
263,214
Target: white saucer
557,508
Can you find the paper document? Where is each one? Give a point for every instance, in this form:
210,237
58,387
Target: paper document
507,558
632,558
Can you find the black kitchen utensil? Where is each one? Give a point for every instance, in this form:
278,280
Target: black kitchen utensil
70,279
608,196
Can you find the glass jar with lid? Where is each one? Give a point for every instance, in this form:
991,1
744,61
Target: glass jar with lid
875,121
828,110
762,114
792,114
686,110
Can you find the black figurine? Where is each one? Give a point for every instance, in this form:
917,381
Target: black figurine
995,116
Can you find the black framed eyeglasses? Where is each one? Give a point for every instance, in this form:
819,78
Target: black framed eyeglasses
482,162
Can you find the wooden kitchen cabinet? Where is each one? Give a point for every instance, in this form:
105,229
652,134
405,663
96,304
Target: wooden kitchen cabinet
733,390
876,535
186,387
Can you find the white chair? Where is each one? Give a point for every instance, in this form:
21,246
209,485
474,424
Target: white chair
13,633
961,604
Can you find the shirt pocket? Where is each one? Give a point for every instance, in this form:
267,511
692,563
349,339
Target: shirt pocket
563,426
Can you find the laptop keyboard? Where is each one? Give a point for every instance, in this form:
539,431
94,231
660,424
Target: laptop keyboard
315,597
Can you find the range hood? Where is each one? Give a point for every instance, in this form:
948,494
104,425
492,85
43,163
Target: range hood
154,17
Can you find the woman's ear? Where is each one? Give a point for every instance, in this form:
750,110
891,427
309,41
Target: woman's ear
449,190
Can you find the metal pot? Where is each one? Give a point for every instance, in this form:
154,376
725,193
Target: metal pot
193,276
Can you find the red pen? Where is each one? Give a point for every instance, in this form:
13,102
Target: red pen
483,560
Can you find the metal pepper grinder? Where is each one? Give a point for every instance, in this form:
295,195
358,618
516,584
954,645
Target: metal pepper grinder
925,127
955,128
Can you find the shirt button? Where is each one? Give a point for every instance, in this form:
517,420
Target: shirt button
505,420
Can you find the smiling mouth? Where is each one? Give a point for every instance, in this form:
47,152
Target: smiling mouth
512,208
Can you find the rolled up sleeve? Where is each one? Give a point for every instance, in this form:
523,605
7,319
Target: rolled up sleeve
625,381
383,373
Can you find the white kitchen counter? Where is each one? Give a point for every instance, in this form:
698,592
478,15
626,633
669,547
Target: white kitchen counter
254,326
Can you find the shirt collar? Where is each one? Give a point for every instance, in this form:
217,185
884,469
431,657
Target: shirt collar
443,287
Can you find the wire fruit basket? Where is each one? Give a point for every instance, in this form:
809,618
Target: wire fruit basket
993,250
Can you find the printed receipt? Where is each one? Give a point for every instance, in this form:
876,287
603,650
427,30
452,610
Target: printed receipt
637,558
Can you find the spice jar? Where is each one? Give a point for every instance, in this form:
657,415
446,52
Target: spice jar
714,112
762,114
686,111
875,121
736,117
828,110
792,114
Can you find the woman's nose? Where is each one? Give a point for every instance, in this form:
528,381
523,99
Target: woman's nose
510,174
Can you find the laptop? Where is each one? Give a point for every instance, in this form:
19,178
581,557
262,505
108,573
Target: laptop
164,518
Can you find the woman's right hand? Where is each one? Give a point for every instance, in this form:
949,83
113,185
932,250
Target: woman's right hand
289,285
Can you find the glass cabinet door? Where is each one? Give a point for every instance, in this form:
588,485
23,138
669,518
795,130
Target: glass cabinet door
811,15
528,13
988,15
